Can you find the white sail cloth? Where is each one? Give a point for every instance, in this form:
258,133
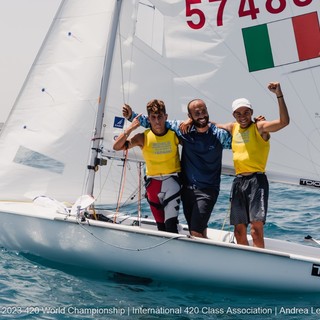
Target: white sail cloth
172,50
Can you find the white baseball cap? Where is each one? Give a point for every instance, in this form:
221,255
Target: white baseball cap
241,102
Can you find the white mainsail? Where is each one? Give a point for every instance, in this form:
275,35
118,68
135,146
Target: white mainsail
173,50
204,53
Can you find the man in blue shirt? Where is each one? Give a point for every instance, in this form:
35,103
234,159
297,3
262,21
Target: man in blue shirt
200,163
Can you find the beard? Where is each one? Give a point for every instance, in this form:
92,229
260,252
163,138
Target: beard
201,124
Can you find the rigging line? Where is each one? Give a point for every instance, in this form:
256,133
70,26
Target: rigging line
295,151
139,193
309,161
225,220
226,216
316,88
147,5
316,147
302,132
123,248
303,69
130,198
105,180
122,183
132,195
133,186
315,84
301,100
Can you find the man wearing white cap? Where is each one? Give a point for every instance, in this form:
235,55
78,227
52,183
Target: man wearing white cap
250,148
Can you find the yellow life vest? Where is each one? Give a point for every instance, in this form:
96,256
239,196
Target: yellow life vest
250,150
161,153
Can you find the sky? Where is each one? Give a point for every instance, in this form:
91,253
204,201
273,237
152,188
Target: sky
23,27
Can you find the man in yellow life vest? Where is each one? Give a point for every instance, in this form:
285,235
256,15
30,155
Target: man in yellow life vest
250,148
161,153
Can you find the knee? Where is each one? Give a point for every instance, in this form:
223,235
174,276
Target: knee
256,232
240,231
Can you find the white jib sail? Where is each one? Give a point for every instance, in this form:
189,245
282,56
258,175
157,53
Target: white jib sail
46,141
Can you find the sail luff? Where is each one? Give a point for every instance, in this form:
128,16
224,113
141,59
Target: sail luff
96,141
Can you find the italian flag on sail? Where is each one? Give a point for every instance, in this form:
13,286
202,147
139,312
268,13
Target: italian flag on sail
282,42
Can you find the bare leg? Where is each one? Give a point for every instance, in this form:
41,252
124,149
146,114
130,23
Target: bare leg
240,231
257,234
198,234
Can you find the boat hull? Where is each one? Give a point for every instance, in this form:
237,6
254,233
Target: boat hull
147,253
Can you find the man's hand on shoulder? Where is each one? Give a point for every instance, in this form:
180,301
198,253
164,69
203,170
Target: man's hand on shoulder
259,118
185,126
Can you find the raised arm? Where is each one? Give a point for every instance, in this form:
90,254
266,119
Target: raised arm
123,143
284,119
129,114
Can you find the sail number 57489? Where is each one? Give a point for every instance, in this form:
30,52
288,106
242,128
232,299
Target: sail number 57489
246,8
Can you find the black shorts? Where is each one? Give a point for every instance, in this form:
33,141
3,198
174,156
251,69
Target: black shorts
249,199
197,207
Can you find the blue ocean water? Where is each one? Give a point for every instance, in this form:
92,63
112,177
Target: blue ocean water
32,288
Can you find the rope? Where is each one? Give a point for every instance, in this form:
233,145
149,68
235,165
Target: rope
122,183
227,216
139,193
124,248
225,220
223,225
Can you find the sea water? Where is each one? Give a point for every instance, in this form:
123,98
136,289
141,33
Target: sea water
32,288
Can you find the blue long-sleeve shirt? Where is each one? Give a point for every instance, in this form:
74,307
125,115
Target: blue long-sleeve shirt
201,153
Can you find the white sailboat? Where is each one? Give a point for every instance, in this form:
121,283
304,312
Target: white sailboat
99,54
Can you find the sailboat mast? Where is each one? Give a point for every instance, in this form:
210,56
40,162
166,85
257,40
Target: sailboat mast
96,140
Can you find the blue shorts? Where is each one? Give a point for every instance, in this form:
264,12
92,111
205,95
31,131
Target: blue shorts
197,207
249,199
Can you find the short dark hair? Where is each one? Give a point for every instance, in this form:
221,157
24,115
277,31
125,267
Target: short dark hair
156,106
193,100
